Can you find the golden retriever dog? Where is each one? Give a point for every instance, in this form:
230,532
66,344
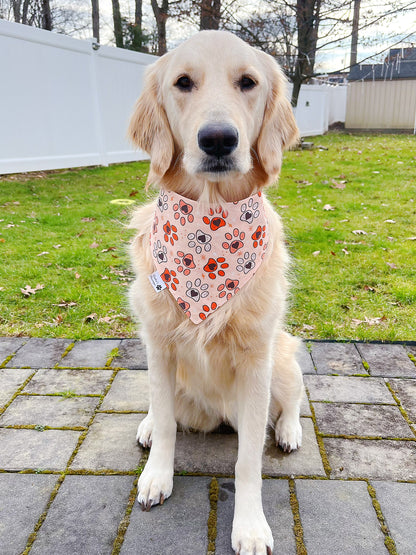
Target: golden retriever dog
215,119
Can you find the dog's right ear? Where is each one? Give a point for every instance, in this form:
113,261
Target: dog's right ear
149,127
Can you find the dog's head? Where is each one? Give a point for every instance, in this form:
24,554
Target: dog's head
214,108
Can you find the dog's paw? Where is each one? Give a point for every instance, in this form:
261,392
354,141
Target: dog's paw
252,536
288,433
154,487
144,432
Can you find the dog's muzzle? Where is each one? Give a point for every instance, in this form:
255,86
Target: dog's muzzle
218,142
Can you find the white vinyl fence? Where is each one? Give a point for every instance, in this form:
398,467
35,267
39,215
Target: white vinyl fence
65,104
62,103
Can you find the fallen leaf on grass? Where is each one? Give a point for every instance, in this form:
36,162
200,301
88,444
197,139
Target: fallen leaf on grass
28,290
42,253
77,275
392,265
65,304
105,320
57,246
90,317
369,321
337,184
389,221
407,238
307,327
87,219
359,232
94,245
328,207
315,253
109,249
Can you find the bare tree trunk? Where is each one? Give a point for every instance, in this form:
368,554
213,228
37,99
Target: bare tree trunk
138,14
16,10
25,10
118,29
354,34
161,16
307,19
210,14
46,15
95,19
137,42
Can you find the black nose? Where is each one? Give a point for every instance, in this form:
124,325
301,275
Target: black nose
218,139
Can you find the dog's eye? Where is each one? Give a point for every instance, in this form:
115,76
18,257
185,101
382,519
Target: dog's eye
184,83
246,83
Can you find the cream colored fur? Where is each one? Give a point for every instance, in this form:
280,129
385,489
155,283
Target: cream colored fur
237,366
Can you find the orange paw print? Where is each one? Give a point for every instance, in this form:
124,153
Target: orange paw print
170,233
218,265
216,219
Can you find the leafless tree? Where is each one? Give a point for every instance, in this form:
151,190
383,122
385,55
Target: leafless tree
161,14
95,9
210,14
118,27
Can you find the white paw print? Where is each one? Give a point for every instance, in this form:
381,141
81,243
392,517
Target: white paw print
160,252
249,211
196,290
247,263
162,201
200,240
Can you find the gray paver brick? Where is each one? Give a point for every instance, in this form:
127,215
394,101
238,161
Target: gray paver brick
39,353
23,498
10,345
338,518
361,420
54,412
132,354
129,391
218,453
337,358
387,360
110,444
348,389
378,460
30,449
10,381
304,359
398,502
90,354
305,409
80,382
406,392
84,516
178,526
276,505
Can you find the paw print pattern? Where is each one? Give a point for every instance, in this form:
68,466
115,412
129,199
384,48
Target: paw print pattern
249,211
216,219
234,241
196,290
228,288
162,202
216,266
258,236
184,306
247,263
207,309
171,233
185,263
200,240
160,252
183,212
169,277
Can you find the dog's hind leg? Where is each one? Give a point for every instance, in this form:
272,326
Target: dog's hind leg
286,394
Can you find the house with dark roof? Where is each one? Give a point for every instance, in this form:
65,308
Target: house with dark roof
383,96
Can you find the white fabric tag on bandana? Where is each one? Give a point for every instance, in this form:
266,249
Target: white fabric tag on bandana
157,282
204,256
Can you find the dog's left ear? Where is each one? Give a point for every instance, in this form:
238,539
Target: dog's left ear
149,127
279,129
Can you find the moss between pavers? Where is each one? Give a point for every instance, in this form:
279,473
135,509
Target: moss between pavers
412,358
401,409
8,359
212,517
43,516
366,365
388,540
125,521
113,354
67,350
297,524
321,446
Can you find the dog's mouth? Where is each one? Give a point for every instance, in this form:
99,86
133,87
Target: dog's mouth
217,166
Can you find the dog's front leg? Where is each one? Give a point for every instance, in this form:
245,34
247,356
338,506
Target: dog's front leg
251,533
156,481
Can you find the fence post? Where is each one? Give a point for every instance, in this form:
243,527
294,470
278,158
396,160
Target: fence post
98,115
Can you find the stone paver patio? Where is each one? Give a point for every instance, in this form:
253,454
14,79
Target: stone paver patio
69,462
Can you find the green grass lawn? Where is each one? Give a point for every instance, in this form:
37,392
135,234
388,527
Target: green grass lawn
350,216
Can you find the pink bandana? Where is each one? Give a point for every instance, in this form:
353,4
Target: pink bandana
206,258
